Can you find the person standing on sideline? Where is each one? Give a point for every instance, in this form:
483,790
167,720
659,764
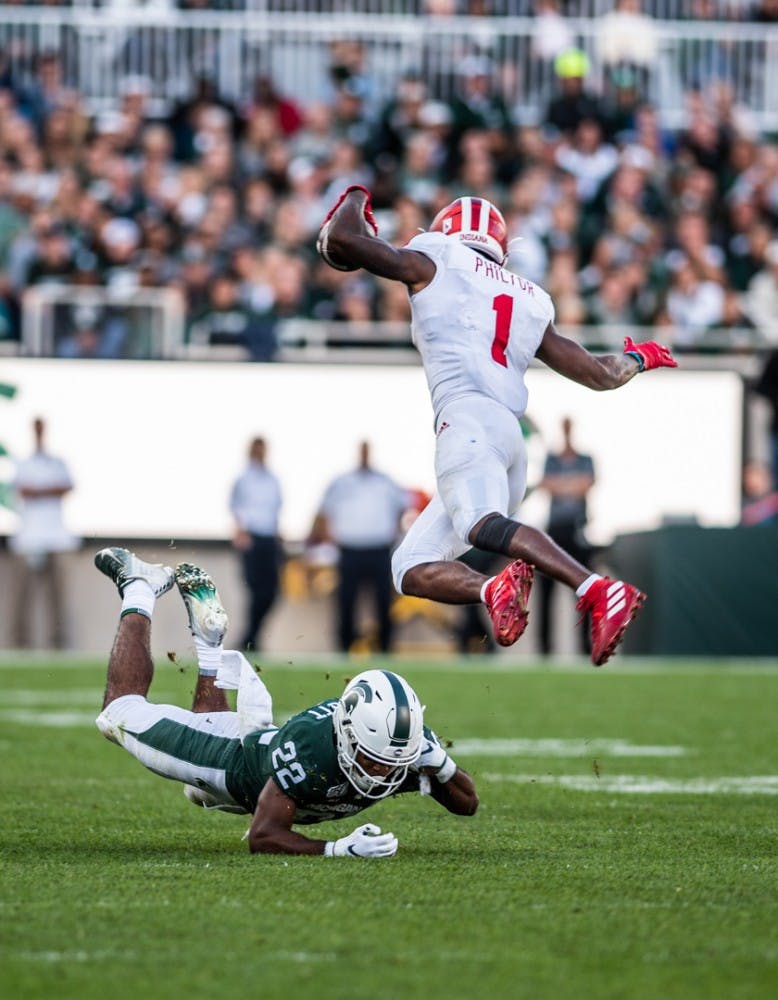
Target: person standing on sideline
360,513
255,503
477,327
568,477
40,483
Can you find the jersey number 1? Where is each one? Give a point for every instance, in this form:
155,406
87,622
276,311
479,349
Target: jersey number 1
503,306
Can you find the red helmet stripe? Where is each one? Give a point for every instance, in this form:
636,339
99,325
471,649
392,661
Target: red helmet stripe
475,214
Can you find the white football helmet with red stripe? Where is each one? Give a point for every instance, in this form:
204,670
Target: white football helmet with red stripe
477,223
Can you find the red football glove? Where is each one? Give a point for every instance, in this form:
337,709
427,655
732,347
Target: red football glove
367,211
649,354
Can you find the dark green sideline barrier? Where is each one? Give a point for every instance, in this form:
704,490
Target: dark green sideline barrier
711,591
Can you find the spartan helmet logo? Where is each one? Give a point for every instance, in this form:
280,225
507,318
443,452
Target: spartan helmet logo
360,690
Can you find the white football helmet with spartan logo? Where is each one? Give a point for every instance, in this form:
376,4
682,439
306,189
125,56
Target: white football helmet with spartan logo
380,720
477,223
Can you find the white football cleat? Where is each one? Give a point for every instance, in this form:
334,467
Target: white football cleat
207,618
123,566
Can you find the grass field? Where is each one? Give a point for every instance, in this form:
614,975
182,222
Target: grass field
625,847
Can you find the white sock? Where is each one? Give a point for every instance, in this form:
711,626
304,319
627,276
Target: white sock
483,589
209,658
138,596
587,583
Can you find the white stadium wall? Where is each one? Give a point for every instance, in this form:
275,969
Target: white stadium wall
154,447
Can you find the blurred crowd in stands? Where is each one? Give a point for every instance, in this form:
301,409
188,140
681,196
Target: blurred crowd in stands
719,10
623,221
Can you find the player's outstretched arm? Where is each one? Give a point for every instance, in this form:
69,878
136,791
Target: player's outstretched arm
349,239
271,832
457,795
604,371
271,827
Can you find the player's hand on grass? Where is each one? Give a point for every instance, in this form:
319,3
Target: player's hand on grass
365,842
649,354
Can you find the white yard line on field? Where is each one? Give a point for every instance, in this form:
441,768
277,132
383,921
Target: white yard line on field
647,785
552,747
55,720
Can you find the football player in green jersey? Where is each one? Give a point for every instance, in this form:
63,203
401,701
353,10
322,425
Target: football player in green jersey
328,762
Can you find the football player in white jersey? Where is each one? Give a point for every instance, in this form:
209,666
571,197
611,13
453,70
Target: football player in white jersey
477,326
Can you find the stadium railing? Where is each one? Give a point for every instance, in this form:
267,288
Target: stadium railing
63,321
100,47
725,10
150,324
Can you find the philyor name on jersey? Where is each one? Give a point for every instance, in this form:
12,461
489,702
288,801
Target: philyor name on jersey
488,269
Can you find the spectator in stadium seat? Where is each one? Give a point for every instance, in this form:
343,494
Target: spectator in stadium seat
588,157
265,94
360,512
627,40
761,299
40,483
52,261
574,103
478,106
92,333
255,505
694,304
746,241
611,303
691,232
329,761
552,34
228,321
398,121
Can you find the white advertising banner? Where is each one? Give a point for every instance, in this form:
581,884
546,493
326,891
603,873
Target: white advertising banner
153,447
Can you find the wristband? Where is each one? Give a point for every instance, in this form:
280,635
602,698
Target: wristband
329,849
446,771
638,358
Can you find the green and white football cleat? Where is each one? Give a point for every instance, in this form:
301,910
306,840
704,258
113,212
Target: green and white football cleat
123,566
207,618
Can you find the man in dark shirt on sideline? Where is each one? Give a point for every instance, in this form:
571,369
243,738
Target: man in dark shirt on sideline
568,477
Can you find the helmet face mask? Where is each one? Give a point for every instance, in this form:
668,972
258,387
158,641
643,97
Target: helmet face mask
477,223
378,721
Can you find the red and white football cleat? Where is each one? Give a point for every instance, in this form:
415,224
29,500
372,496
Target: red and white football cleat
612,605
506,598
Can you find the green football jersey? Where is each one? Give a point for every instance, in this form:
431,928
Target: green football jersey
302,758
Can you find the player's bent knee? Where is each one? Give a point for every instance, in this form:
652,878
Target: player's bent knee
199,797
112,720
495,534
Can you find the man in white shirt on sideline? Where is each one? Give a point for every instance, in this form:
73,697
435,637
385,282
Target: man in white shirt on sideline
255,503
360,513
41,481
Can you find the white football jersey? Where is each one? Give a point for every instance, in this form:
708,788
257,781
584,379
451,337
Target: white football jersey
476,325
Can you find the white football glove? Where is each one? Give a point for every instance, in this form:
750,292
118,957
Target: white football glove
365,842
433,755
